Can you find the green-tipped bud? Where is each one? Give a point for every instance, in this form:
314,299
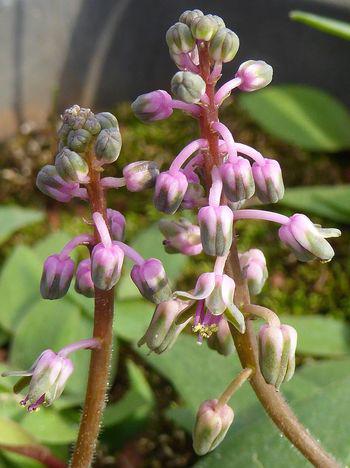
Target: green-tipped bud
92,125
78,140
107,120
277,346
108,145
222,341
224,45
204,27
187,86
188,16
218,20
212,423
180,39
71,167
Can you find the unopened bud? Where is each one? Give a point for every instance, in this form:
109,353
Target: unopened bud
140,175
204,27
268,180
78,140
222,340
169,191
194,196
56,277
224,45
215,224
83,280
277,346
71,167
163,329
253,265
212,423
106,265
180,39
188,16
181,236
151,280
307,240
108,145
188,87
153,106
50,183
107,120
116,224
255,74
237,179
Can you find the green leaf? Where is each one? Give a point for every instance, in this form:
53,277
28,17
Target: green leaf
320,336
331,202
51,244
52,324
14,218
137,403
322,23
324,409
149,244
19,286
11,433
50,427
301,115
132,319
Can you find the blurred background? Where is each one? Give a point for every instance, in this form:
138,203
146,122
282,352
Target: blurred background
55,53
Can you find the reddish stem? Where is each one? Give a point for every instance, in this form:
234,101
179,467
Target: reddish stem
95,399
246,344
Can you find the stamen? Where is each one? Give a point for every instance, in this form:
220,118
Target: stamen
25,401
36,406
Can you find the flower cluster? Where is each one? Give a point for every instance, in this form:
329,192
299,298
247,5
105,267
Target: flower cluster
87,142
215,176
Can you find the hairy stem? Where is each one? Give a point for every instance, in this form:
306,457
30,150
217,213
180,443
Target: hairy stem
95,399
246,344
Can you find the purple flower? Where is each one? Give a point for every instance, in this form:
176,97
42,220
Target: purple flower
215,224
116,224
50,183
46,378
181,237
140,175
307,240
237,179
151,280
153,106
255,74
169,191
56,277
106,265
83,280
268,180
254,269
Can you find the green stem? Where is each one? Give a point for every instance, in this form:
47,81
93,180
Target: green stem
95,399
246,344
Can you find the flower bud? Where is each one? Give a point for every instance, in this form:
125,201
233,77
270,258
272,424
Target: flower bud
71,167
307,240
234,206
211,426
268,180
218,20
140,175
153,106
181,237
187,86
169,191
194,196
92,125
255,74
83,280
117,224
222,340
108,145
47,379
237,179
106,265
188,16
151,280
224,45
277,346
254,269
76,117
50,183
163,329
215,224
78,140
107,120
180,39
204,27
56,277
